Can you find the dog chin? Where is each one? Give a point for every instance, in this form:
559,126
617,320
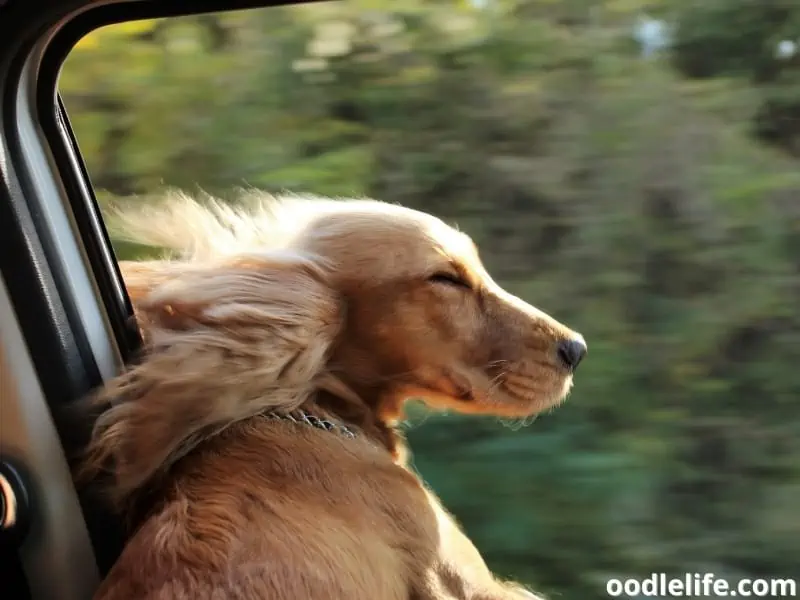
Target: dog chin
560,396
566,388
539,404
501,404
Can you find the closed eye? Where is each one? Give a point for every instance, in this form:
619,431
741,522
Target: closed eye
449,279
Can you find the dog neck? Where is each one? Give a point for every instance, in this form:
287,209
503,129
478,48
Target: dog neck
363,411
335,407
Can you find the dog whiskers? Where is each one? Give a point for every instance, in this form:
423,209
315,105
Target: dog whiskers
517,424
496,363
495,383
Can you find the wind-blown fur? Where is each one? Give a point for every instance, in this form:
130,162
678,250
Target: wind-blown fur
211,361
338,307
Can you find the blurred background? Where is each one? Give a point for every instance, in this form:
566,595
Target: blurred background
630,166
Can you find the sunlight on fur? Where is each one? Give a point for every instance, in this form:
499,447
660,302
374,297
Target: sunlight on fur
341,308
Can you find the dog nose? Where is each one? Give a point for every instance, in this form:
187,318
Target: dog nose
571,352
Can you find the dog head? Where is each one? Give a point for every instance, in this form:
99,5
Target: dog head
269,302
424,319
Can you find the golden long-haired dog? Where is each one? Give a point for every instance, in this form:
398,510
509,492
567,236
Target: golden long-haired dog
253,445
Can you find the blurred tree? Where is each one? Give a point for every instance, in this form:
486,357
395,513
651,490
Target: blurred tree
744,38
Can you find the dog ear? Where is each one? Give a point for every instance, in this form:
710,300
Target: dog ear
223,342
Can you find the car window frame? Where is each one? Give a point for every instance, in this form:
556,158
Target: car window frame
61,282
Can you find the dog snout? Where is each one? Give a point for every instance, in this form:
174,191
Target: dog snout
571,351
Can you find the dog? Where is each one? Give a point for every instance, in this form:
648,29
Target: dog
253,446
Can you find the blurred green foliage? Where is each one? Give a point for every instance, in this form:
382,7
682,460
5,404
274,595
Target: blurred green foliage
644,202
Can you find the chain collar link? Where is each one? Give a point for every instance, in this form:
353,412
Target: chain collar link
301,416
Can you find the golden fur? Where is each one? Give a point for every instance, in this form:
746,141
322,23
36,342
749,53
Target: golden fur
343,308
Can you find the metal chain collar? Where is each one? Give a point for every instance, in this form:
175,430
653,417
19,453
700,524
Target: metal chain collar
301,416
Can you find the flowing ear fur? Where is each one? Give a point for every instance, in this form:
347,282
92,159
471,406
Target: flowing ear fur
223,341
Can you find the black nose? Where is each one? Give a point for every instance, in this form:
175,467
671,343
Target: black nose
571,352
